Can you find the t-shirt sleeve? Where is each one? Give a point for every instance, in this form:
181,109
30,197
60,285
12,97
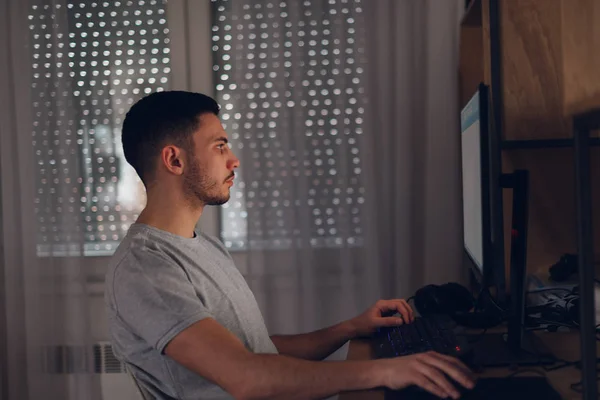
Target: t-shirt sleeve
154,297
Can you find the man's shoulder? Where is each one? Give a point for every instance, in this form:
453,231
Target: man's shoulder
128,250
135,257
125,259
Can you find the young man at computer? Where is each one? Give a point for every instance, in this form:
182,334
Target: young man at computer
181,315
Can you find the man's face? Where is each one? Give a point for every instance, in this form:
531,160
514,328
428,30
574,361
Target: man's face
209,173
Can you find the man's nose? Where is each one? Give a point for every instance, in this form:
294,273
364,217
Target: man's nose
234,162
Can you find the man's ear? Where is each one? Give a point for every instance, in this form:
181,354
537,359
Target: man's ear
172,159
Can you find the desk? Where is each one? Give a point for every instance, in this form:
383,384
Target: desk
563,345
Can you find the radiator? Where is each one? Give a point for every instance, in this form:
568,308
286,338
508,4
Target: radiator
115,383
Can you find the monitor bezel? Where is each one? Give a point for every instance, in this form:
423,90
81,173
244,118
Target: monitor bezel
484,277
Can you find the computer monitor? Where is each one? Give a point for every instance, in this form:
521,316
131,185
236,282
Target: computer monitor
483,230
483,234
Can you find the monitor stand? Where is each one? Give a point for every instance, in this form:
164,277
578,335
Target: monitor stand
515,347
493,350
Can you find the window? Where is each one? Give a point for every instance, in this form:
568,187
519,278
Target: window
91,61
289,79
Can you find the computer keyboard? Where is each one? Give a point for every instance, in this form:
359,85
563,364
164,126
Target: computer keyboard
432,333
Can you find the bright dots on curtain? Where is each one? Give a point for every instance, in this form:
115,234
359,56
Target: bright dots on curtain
289,78
90,62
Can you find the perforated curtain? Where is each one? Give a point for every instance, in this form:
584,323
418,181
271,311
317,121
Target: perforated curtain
48,324
413,186
73,70
344,116
290,78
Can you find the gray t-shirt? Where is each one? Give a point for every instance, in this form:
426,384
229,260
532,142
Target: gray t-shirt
157,285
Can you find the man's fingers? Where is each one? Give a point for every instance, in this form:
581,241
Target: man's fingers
438,378
457,371
390,321
403,310
427,384
456,362
412,312
406,311
401,306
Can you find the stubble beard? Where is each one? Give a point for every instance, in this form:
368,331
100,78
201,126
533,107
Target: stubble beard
200,189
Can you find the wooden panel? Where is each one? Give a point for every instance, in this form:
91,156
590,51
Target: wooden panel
552,218
471,62
532,69
485,26
581,55
472,15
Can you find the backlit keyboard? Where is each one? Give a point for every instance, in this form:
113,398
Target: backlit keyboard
424,334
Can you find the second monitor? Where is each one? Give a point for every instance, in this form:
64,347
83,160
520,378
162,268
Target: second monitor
483,233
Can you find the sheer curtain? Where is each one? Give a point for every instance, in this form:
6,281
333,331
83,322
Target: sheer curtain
48,323
345,117
67,196
414,185
290,78
343,113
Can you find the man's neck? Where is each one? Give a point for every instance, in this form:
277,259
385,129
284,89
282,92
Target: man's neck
169,213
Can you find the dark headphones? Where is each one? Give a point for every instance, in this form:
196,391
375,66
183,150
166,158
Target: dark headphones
563,268
456,301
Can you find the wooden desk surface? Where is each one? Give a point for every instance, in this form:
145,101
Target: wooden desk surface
563,345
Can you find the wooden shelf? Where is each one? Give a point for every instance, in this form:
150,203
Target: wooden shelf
589,120
541,61
552,208
543,143
546,67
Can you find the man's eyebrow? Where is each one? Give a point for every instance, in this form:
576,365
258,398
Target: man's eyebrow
221,139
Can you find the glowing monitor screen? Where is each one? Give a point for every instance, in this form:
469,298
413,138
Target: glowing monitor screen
471,180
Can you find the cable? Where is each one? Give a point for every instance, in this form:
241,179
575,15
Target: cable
491,298
546,357
478,299
555,314
557,323
549,290
478,337
578,386
527,370
564,364
578,363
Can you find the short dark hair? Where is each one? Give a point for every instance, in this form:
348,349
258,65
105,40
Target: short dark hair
158,119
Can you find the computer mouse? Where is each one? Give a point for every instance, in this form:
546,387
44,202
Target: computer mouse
417,393
514,388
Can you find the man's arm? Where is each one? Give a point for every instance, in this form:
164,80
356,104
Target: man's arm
320,344
214,353
315,345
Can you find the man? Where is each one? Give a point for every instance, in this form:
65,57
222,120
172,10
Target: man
182,316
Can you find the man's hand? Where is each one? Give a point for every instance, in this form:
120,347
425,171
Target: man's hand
380,315
430,371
